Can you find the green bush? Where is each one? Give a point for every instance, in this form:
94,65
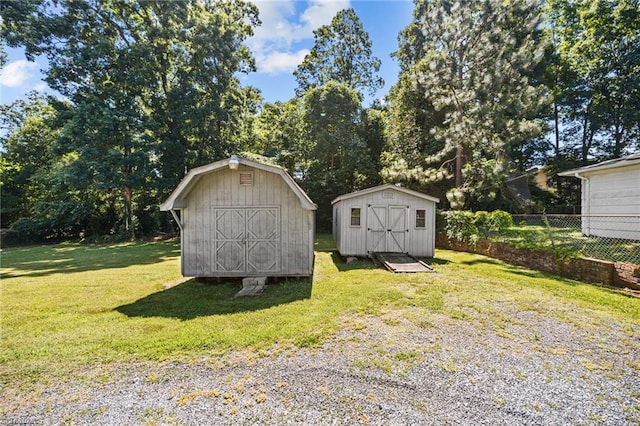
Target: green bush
499,220
460,224
469,226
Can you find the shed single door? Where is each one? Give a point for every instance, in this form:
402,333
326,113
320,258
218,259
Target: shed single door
387,228
247,239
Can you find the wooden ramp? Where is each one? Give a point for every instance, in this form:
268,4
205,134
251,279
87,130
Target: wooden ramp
401,262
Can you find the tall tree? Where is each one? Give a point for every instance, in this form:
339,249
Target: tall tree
153,84
331,117
597,45
472,70
28,135
279,134
372,134
342,53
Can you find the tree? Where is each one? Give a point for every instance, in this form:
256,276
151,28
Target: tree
597,57
152,86
472,71
342,53
372,134
27,148
279,134
331,117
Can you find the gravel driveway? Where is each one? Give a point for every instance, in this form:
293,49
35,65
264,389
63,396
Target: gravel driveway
522,367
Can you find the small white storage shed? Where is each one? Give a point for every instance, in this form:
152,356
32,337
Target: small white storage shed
240,218
610,197
385,218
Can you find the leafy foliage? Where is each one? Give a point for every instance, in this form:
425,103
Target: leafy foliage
596,80
470,61
342,53
151,88
467,226
331,115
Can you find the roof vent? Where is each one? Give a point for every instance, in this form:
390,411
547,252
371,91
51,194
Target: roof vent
246,178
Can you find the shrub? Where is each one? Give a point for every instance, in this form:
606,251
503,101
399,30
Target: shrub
499,220
460,224
468,226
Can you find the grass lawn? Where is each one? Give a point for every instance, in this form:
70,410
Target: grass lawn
571,240
68,307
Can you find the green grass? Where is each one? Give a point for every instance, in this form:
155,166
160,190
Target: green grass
570,241
69,307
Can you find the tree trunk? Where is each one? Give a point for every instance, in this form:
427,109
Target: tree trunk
556,124
128,213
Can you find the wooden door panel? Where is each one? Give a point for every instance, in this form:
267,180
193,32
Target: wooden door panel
263,240
397,229
376,228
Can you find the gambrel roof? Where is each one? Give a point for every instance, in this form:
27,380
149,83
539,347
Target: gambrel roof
177,197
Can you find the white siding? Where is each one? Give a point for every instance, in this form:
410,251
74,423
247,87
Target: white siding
220,190
613,191
356,240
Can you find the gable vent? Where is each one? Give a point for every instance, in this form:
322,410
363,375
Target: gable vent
246,178
387,194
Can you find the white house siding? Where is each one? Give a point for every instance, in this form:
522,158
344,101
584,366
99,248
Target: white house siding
218,197
612,192
357,241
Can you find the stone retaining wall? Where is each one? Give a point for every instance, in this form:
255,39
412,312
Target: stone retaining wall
583,269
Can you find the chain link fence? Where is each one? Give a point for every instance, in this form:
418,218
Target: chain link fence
613,238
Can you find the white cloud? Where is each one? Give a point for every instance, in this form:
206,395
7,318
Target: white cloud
17,73
320,12
40,87
282,27
280,62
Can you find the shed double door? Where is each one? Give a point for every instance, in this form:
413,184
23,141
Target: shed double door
247,240
387,228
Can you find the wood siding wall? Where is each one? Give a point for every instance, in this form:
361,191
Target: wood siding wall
612,192
219,198
353,240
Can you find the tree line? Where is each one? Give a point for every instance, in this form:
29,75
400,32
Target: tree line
486,90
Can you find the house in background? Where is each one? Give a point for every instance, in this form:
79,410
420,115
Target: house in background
610,197
240,218
385,218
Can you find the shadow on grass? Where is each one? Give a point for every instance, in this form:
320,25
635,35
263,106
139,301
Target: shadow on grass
531,273
193,299
367,263
360,263
39,261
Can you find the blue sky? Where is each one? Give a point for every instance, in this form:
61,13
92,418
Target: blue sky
278,46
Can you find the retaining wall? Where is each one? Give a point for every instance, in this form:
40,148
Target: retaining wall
583,269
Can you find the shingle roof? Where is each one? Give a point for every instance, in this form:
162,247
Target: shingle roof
627,160
386,187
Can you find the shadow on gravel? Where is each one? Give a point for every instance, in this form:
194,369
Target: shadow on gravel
193,299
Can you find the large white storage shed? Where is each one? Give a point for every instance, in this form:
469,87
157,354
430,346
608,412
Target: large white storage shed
240,218
610,197
385,218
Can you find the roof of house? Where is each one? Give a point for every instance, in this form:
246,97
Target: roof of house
627,160
386,188
176,199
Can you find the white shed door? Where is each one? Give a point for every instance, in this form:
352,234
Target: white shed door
397,231
247,239
377,228
387,228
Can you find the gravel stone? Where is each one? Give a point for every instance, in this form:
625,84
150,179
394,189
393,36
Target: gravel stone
527,368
